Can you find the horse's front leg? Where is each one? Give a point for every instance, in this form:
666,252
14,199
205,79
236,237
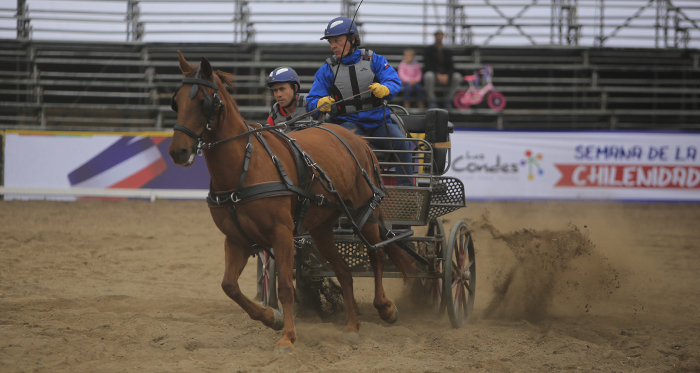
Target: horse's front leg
283,244
236,259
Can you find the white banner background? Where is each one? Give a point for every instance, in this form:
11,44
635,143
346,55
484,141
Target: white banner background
75,160
605,165
493,165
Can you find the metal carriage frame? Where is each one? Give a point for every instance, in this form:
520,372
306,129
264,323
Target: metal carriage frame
445,261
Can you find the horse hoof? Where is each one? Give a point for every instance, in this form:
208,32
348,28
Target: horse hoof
279,320
283,350
394,317
351,337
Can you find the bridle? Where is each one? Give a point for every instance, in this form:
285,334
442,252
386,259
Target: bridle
211,106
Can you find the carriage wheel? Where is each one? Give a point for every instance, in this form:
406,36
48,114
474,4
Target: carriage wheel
269,280
460,274
462,100
496,100
436,229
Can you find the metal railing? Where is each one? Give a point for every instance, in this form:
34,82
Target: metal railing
628,23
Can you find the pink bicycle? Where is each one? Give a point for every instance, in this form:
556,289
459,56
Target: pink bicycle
474,95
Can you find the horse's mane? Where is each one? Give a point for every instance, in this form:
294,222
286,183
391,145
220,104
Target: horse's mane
226,78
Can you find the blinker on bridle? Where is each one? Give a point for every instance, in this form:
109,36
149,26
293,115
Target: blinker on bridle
210,106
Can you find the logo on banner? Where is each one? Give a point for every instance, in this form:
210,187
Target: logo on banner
533,166
628,176
477,164
130,162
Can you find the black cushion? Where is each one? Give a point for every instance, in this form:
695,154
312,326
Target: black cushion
437,128
435,124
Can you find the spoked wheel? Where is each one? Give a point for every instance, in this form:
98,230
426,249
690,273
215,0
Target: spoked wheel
460,274
496,100
434,286
268,279
462,102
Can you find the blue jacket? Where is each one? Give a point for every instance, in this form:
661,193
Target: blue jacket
366,120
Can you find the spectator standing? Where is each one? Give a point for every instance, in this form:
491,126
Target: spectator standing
411,74
439,69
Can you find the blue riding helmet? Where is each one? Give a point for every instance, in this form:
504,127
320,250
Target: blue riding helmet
340,26
282,75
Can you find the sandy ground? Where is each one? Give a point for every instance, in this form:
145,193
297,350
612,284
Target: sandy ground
108,286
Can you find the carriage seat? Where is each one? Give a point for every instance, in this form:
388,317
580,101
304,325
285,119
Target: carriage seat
437,128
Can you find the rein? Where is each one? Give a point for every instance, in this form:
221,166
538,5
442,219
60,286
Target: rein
218,106
314,111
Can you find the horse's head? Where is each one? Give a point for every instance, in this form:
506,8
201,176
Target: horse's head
197,102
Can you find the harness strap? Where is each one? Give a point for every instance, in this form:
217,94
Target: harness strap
302,204
199,81
275,160
251,192
389,234
286,187
331,189
186,130
375,190
246,161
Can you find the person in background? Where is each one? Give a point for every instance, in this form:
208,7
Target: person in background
411,74
438,68
365,79
284,84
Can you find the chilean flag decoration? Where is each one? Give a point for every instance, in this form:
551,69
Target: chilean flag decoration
131,162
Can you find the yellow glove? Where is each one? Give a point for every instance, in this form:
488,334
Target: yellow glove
379,90
324,101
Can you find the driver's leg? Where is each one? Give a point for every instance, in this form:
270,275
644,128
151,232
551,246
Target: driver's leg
406,158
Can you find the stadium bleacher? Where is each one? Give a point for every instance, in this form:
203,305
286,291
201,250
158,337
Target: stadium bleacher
128,86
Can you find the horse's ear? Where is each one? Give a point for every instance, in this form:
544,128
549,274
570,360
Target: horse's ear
206,68
184,65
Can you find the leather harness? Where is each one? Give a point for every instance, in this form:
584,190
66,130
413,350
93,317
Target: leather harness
305,166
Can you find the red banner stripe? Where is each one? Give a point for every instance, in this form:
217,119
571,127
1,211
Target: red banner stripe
628,176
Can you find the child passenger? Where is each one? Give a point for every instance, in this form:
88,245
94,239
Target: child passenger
411,74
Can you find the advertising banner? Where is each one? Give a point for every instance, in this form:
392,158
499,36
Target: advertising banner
498,165
91,160
611,165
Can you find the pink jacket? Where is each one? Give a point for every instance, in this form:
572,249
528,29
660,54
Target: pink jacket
410,72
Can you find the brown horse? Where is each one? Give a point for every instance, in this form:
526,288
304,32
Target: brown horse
269,221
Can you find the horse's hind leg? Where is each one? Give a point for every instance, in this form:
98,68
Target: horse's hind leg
283,244
386,308
236,259
323,239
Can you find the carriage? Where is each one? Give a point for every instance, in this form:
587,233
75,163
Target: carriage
261,206
445,266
